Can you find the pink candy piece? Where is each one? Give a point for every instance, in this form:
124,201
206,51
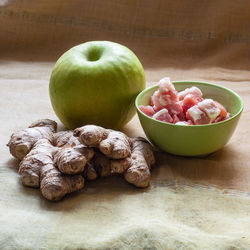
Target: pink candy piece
223,111
165,95
166,87
175,108
189,122
176,119
163,116
188,102
194,91
210,108
197,116
147,110
221,118
207,111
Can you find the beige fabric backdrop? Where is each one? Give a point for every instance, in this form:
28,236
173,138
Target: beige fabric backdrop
199,40
191,33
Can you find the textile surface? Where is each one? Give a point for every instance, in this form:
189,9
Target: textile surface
192,203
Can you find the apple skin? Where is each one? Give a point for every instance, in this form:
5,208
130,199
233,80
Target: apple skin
96,83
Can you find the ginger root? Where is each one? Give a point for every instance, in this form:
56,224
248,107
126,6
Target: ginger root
22,141
72,157
38,169
113,144
136,168
59,162
46,157
132,157
99,166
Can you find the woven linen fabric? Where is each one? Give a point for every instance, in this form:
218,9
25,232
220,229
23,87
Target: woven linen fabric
192,203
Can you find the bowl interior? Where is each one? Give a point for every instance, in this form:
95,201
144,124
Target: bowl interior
229,99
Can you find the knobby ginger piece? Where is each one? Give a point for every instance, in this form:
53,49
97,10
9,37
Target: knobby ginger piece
90,172
135,165
72,160
99,166
72,156
44,151
140,161
38,169
113,144
135,168
22,141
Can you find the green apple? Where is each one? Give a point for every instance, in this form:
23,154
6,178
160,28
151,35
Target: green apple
96,83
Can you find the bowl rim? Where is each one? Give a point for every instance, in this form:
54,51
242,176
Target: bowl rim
195,82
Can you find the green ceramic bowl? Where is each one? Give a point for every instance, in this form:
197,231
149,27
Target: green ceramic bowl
196,140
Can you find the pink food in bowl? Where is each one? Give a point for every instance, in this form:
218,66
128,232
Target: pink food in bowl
188,107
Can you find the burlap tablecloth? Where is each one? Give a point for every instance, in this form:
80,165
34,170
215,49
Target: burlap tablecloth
192,203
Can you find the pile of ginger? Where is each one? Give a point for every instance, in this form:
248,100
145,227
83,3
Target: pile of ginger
59,162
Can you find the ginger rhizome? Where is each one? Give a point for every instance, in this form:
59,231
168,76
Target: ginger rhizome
38,169
72,156
113,144
48,158
22,141
59,162
132,157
